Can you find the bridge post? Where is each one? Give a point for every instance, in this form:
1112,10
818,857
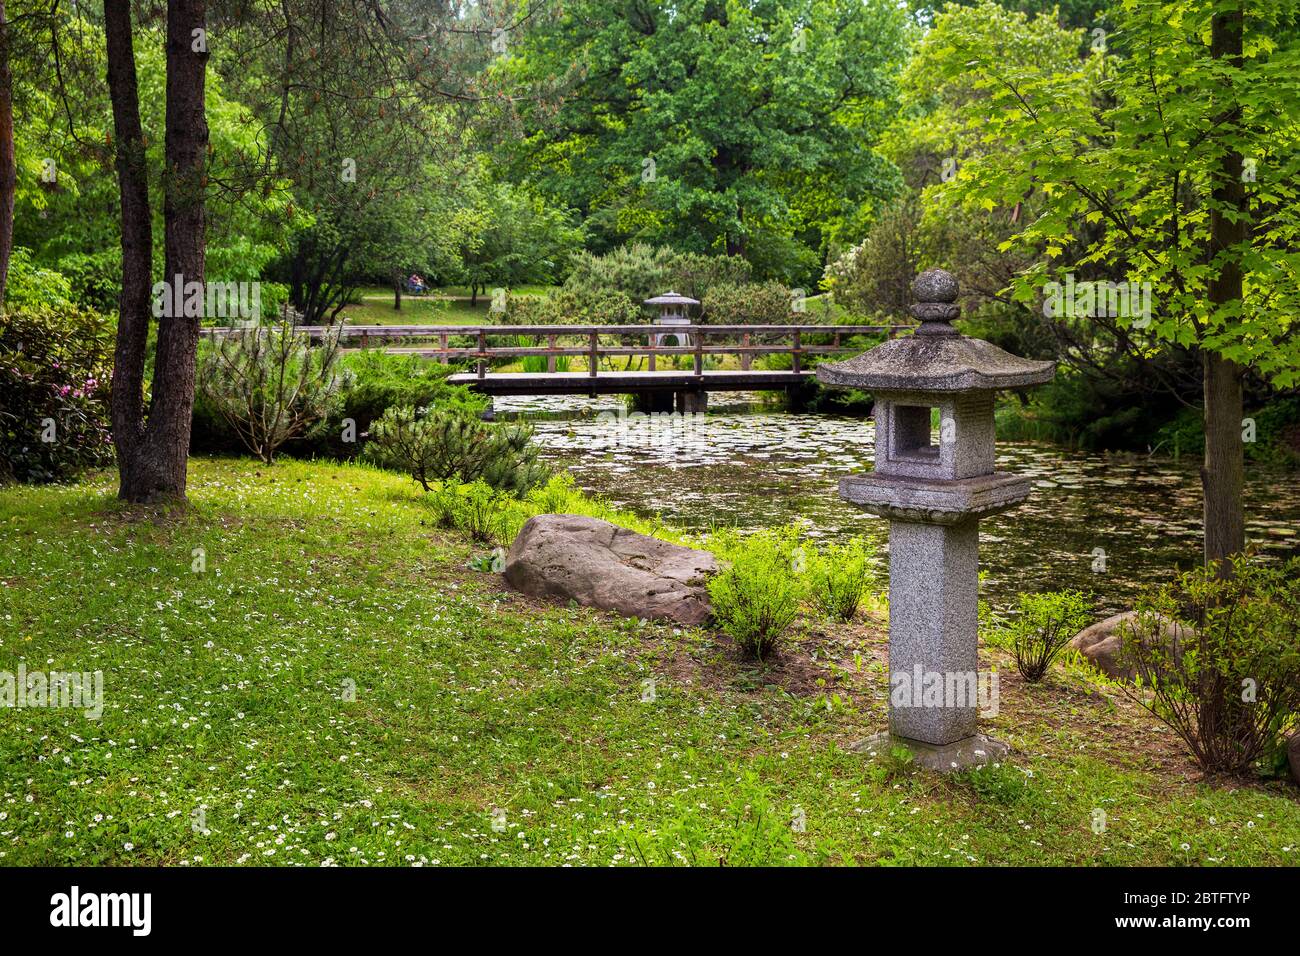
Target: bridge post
550,359
691,402
746,360
796,353
699,353
592,360
482,351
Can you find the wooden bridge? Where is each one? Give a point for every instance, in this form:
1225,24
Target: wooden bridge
596,344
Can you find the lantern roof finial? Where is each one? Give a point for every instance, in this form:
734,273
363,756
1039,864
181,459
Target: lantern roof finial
936,358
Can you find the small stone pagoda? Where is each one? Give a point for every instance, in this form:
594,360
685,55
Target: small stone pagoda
935,477
674,310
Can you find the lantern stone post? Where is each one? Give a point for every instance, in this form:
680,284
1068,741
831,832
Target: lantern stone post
674,313
934,484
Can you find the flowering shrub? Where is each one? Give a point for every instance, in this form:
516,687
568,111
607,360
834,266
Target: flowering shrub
55,365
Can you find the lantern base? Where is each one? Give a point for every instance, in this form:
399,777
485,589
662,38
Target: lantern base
973,751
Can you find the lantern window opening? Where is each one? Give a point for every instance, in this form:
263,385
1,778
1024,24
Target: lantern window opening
916,435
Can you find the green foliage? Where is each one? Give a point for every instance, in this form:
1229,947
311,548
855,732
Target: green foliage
375,381
738,128
55,367
444,501
369,382
450,444
32,287
1128,151
756,598
1277,432
510,236
557,496
71,224
874,278
567,306
838,576
95,278
1231,687
478,510
270,384
753,303
639,271
1043,627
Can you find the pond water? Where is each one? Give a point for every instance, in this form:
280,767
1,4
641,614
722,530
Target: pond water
1105,524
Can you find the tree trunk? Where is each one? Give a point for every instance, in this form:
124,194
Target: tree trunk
137,249
184,238
473,295
397,292
8,170
1223,473
152,453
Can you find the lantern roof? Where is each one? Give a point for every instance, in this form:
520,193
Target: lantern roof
936,357
671,298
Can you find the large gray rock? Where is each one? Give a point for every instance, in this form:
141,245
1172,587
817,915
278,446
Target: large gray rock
1293,754
573,557
1102,643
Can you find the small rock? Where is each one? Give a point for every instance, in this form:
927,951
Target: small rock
1102,643
573,557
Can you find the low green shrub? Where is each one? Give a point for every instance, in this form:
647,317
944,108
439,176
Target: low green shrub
838,577
638,271
443,500
557,496
1230,688
509,521
370,382
270,384
55,370
757,597
1045,624
478,510
454,445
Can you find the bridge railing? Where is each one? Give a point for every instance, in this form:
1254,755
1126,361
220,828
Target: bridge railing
593,342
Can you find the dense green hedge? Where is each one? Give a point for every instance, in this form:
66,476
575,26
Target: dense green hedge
55,363
372,382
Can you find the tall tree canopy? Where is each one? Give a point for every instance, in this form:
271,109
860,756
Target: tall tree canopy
713,125
1171,154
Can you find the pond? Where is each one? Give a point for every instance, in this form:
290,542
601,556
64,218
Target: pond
1106,524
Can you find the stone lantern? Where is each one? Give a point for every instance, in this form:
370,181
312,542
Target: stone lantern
935,477
674,310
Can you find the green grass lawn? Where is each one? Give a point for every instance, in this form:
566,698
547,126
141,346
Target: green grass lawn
449,306
227,734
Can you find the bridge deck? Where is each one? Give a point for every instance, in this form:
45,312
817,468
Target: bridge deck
613,383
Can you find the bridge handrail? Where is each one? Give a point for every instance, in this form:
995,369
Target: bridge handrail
420,331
